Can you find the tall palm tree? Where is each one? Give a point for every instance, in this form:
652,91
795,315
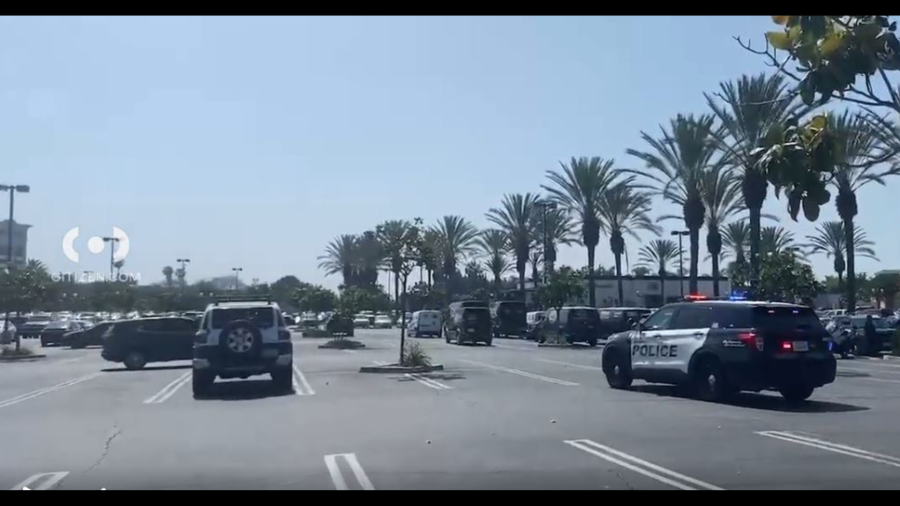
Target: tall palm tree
456,237
736,240
558,228
339,258
746,109
368,259
859,143
659,253
722,199
168,272
676,165
430,253
514,217
535,258
831,241
578,187
494,244
775,240
392,235
624,209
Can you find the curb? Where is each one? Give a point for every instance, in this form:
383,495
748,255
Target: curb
334,347
399,369
24,357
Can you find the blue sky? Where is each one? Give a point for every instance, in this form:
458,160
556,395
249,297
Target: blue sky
252,142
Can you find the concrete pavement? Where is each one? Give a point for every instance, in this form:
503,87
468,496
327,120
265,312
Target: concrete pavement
511,416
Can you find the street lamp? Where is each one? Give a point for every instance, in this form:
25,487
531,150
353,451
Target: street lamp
546,205
12,189
112,253
680,234
183,261
236,270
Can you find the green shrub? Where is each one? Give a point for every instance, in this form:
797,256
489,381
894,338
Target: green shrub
415,356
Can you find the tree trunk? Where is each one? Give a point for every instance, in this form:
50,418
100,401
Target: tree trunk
619,279
851,265
715,274
403,323
662,285
592,296
397,289
840,276
695,256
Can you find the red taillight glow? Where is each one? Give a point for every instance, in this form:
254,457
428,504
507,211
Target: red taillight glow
786,346
695,296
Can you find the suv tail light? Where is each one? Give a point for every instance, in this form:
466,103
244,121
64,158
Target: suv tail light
200,337
751,340
284,335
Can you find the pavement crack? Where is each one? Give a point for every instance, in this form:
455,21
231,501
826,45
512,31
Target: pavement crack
116,432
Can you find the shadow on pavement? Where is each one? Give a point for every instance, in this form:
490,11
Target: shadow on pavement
758,401
243,390
151,368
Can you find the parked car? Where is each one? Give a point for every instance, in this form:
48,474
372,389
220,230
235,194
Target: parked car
424,323
88,335
53,332
338,325
383,321
468,321
33,327
159,339
7,334
574,324
508,318
361,321
853,328
532,319
619,319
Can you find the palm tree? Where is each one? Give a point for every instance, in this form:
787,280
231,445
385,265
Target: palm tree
722,199
558,228
429,253
392,235
749,107
167,273
579,188
514,217
456,237
676,164
494,244
368,259
339,257
775,240
736,239
624,209
830,240
859,143
659,253
535,258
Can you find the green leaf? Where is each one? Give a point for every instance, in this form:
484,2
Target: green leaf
810,209
807,90
779,40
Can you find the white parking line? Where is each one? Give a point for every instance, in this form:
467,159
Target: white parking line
428,382
331,462
42,391
850,451
379,362
349,351
70,361
879,379
169,390
569,364
640,466
307,389
870,371
51,480
511,347
524,373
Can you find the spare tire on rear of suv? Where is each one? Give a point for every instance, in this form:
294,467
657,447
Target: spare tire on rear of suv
241,338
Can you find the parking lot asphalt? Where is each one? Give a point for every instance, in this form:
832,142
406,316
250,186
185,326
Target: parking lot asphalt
510,416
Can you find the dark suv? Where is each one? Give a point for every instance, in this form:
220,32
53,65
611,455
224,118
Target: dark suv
720,348
137,342
468,321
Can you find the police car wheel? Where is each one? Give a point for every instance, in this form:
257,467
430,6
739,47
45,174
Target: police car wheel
618,372
710,382
796,393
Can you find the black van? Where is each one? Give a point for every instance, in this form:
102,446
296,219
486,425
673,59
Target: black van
509,318
619,319
136,342
574,324
468,321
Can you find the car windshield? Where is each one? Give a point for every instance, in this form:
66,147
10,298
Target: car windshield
262,317
57,325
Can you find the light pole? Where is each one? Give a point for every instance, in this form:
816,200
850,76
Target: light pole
680,234
546,205
12,189
237,271
112,253
183,261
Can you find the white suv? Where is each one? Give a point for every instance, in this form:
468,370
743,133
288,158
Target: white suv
239,338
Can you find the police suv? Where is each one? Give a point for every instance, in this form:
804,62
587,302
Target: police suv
722,347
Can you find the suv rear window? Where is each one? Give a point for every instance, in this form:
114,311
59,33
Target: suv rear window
787,318
262,317
476,314
584,315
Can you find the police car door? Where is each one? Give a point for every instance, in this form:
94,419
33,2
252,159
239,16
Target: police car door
689,329
644,344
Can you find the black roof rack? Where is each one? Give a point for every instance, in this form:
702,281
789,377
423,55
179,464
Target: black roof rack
243,298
